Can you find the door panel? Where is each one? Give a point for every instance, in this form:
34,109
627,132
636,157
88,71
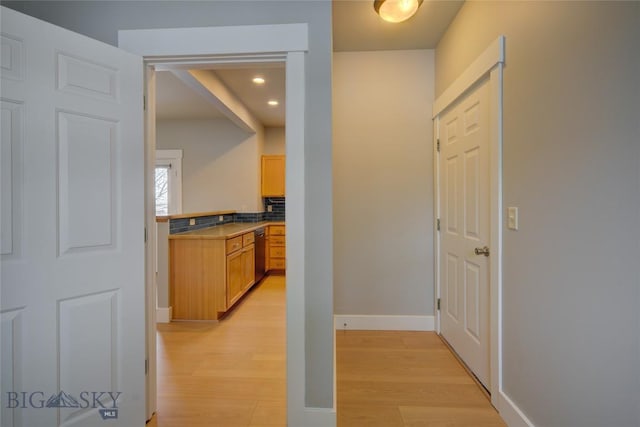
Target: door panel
464,179
72,309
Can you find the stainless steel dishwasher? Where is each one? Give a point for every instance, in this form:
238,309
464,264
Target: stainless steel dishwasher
260,244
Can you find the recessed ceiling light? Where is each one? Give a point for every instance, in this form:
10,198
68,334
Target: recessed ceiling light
273,102
258,80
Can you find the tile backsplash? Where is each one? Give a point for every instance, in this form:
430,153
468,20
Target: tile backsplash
277,214
277,205
182,224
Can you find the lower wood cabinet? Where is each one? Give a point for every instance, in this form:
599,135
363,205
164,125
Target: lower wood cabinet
207,276
276,247
240,273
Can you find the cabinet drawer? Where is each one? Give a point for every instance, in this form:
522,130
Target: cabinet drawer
248,239
277,252
276,230
277,240
277,263
234,244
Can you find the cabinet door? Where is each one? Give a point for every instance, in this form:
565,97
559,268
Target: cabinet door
273,169
235,276
249,265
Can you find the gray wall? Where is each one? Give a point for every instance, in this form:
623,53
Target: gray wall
383,182
220,164
572,165
274,140
102,20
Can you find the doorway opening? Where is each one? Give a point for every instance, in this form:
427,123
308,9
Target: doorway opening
221,148
195,48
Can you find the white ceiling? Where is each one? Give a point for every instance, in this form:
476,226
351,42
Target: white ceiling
356,27
175,100
239,81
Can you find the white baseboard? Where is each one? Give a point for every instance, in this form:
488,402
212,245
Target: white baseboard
384,323
163,314
511,414
313,417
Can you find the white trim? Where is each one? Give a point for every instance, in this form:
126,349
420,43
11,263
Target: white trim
164,314
511,414
295,240
169,154
495,238
488,59
247,44
488,65
313,417
198,41
383,322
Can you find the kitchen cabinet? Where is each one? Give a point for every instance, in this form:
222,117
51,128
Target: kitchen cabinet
240,267
276,247
273,176
208,276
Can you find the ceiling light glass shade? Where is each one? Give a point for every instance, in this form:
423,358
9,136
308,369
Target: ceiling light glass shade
396,10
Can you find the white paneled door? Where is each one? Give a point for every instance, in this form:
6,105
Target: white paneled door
72,309
465,234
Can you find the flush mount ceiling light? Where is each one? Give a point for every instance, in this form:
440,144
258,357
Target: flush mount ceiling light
396,10
273,103
258,80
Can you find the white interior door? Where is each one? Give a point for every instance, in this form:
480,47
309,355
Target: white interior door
464,216
73,281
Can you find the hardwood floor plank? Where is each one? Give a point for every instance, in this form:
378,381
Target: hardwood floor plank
450,417
232,373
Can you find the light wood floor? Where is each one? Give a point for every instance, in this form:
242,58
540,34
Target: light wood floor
232,374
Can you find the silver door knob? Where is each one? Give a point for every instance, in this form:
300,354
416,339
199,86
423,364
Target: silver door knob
482,251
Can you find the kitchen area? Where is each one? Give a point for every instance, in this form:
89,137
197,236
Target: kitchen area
211,269
221,224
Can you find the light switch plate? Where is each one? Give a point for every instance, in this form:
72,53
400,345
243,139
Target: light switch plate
512,218
269,208
192,221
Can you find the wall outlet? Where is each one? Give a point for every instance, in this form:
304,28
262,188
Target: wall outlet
269,208
221,218
192,221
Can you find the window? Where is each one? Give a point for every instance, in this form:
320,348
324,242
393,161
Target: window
162,190
168,182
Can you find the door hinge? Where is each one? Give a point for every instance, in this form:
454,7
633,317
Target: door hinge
144,103
145,234
146,366
438,304
438,145
438,224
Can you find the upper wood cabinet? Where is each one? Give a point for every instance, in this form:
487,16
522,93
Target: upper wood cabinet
273,169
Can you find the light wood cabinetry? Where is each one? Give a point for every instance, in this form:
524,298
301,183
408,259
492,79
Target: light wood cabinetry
207,276
273,176
240,269
276,247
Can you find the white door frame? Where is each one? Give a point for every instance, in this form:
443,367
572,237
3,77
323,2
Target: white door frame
200,47
488,65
